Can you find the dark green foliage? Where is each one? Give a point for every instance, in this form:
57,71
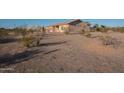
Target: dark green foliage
100,28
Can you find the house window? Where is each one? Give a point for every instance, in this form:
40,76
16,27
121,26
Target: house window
62,28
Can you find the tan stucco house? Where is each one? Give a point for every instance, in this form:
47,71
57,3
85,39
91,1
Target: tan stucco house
73,25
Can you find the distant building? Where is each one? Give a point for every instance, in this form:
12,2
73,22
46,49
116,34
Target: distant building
74,25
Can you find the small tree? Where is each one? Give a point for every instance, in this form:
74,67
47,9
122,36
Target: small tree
104,28
43,30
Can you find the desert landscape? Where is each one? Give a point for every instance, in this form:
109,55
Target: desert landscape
98,50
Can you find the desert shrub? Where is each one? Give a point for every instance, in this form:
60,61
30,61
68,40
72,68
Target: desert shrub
100,28
104,38
118,29
20,31
3,33
31,41
87,34
104,30
66,32
107,40
96,27
82,32
36,42
28,41
43,31
92,30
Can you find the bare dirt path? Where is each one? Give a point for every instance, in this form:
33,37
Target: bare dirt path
69,53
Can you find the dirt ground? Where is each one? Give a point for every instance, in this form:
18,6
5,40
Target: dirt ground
62,53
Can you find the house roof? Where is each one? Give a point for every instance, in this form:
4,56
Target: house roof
65,23
74,21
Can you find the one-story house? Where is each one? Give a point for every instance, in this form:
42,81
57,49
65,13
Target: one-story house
73,25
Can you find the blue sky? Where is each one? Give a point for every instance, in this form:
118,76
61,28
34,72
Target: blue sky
45,22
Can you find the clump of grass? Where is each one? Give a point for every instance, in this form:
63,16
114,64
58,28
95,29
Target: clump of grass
37,42
100,28
87,34
103,37
66,32
118,29
109,41
4,33
28,41
82,32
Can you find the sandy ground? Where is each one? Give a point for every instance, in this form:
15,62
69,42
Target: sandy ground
64,53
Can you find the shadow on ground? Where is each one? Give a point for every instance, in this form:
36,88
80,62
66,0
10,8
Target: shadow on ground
7,40
8,59
51,51
53,43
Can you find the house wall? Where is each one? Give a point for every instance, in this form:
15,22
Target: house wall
70,27
63,28
49,29
79,27
75,28
60,28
